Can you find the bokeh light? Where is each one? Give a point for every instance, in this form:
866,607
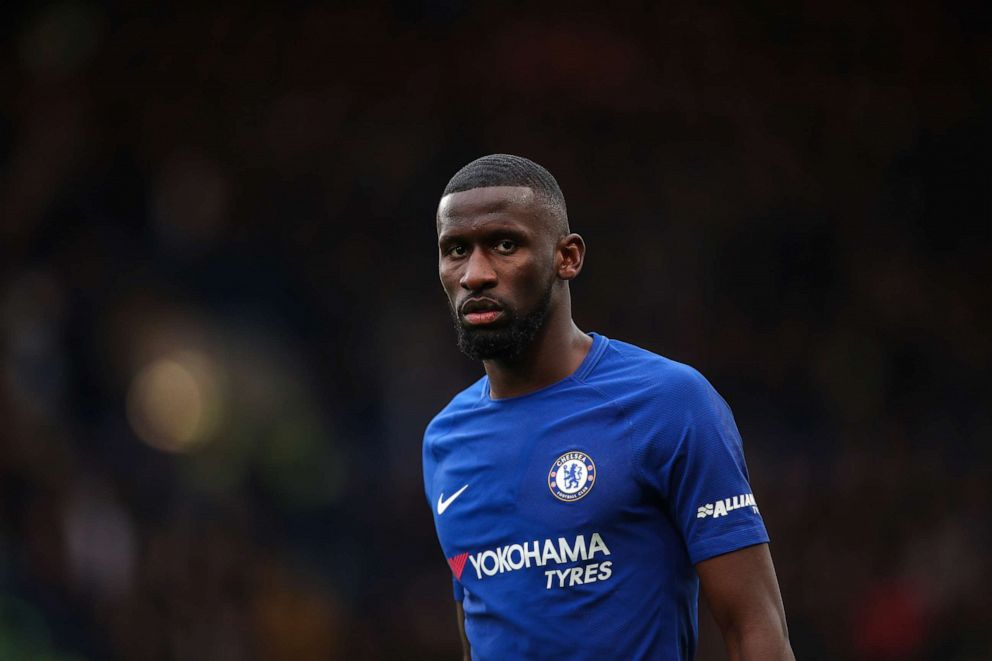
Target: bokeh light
174,403
222,334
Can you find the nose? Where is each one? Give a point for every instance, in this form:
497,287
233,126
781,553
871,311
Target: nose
479,273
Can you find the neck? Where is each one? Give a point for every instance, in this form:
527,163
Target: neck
557,351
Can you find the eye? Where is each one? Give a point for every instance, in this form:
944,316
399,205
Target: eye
506,245
457,250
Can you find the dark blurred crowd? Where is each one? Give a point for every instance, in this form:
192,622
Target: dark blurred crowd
221,332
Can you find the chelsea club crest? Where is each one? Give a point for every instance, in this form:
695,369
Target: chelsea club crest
572,476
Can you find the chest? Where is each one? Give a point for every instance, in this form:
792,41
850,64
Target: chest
509,474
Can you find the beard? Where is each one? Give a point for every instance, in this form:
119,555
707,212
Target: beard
508,341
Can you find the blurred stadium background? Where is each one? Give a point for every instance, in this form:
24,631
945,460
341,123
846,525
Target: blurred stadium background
221,331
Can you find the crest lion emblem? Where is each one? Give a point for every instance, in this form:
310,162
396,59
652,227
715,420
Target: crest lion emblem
572,476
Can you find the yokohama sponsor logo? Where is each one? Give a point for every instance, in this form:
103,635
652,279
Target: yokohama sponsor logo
536,553
457,565
725,506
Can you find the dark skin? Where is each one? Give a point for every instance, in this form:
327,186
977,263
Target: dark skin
503,243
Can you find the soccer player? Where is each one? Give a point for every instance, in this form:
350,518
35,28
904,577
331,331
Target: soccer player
584,488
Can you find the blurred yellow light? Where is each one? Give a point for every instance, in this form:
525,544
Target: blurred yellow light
172,402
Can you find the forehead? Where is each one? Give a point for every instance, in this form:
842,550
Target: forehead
480,206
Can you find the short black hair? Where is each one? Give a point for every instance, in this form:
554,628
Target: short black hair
510,170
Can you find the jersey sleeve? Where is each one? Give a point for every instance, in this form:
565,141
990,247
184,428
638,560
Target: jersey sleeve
429,466
696,460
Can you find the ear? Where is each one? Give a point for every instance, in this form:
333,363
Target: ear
569,256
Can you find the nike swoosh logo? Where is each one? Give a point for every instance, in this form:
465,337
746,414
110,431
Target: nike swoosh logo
443,504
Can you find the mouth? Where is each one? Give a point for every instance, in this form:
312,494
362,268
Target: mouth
481,311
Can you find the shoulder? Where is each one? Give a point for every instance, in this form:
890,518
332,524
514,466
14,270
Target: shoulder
467,399
673,411
631,372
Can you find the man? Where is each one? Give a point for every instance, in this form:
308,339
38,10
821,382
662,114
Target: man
584,488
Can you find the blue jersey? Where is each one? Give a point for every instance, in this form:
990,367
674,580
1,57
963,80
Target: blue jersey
571,517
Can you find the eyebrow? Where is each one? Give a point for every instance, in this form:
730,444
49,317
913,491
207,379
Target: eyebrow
517,233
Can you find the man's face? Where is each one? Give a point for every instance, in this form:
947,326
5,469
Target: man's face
497,265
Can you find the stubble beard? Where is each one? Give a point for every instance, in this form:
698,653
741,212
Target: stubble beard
510,340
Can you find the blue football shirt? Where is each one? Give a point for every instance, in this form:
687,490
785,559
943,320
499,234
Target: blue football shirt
571,517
